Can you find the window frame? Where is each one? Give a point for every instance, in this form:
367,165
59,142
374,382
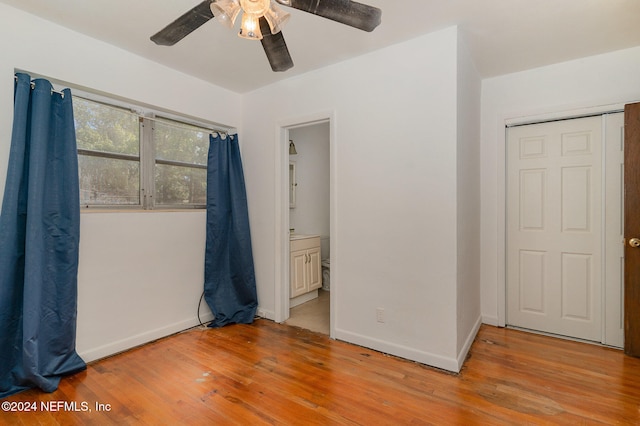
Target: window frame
147,117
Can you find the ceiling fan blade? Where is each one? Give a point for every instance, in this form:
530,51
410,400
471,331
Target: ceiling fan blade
357,15
184,25
275,48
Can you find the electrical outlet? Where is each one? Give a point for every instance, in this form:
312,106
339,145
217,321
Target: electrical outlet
380,314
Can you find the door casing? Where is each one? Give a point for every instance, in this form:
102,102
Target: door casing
281,226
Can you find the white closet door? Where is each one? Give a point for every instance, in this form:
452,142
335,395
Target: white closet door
554,227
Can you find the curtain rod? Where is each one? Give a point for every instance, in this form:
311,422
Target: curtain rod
33,85
166,120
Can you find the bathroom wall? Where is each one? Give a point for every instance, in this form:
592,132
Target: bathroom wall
311,214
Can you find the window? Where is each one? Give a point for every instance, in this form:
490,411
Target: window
133,159
108,141
180,164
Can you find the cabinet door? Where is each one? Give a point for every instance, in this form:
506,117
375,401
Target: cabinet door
297,277
314,270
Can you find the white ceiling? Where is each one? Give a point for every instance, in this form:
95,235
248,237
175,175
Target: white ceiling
504,35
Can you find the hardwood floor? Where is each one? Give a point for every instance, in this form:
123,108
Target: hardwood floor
268,373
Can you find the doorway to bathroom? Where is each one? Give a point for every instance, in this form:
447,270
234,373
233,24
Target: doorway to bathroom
305,297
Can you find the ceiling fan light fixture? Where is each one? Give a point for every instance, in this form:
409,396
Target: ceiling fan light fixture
255,7
264,15
276,17
226,11
250,28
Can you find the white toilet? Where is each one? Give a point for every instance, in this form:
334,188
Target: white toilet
326,259
326,274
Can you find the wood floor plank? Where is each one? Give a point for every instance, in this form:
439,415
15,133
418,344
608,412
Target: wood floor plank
273,374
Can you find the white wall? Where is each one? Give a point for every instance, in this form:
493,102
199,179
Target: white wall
140,274
395,120
311,214
468,183
608,79
140,278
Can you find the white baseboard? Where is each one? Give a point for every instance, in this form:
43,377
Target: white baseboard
303,298
263,313
434,360
490,320
464,351
113,348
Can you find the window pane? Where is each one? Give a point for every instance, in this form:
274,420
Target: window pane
104,128
181,142
106,181
180,185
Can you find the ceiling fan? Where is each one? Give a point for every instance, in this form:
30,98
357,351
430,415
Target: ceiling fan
263,19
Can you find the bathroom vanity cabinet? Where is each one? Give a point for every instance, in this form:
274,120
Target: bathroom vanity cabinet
305,264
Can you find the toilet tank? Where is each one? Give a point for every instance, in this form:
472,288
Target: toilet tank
324,247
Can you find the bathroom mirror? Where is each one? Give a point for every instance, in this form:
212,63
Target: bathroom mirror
292,184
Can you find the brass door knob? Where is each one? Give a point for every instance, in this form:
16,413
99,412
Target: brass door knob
634,242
